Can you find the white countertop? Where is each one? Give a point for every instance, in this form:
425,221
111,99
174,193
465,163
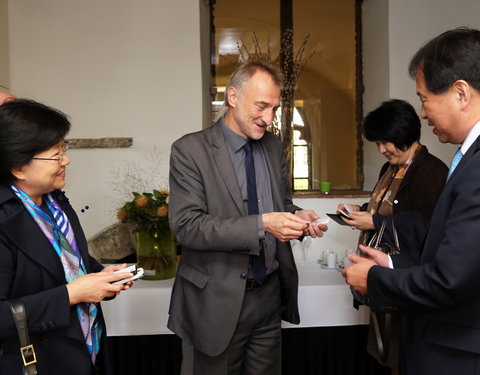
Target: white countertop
323,298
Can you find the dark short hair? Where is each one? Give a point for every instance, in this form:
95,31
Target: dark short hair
393,121
453,55
26,129
246,71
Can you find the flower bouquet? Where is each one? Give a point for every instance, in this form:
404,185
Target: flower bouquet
156,252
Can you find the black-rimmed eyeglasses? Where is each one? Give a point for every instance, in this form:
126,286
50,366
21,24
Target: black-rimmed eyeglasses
60,156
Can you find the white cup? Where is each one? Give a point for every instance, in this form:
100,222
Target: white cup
331,260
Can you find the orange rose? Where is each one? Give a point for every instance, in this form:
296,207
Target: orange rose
162,211
121,214
141,201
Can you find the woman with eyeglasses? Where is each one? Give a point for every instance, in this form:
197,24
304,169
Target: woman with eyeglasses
44,261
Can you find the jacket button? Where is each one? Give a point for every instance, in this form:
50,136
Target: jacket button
243,276
44,343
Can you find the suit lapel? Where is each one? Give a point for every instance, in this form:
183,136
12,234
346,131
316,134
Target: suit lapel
224,164
33,243
443,205
274,171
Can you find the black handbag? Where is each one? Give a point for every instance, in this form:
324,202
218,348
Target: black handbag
383,331
26,349
377,243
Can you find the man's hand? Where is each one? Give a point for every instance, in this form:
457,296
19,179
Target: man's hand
284,226
356,274
313,230
379,257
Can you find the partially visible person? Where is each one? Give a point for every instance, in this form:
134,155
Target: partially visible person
5,97
44,260
407,190
438,296
231,209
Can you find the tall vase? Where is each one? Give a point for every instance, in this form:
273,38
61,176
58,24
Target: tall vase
156,254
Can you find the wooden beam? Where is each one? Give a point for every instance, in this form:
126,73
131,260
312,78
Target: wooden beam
100,142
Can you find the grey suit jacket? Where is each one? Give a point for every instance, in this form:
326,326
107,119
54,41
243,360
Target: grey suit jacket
440,298
207,214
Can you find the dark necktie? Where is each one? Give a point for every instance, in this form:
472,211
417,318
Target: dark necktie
257,262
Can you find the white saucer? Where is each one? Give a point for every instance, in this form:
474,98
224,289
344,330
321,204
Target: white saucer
329,268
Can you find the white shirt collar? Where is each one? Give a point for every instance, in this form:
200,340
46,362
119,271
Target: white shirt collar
470,138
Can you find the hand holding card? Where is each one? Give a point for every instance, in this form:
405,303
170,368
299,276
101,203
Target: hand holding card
137,273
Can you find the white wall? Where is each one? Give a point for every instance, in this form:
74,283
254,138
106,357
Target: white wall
4,50
410,24
119,68
376,76
133,68
338,238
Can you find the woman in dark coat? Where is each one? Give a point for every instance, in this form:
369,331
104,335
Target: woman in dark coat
44,260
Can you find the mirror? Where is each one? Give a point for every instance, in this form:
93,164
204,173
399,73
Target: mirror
326,142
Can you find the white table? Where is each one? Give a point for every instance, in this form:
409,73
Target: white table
323,298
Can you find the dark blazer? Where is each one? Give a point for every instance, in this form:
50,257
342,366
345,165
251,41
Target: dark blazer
415,201
207,214
31,271
440,297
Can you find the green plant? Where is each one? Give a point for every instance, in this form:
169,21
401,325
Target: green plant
148,211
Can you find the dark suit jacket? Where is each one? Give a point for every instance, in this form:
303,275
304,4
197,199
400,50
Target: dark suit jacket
414,202
31,271
207,214
440,297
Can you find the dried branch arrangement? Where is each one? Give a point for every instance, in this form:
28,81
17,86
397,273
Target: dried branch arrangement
289,62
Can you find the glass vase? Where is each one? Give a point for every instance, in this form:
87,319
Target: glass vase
156,254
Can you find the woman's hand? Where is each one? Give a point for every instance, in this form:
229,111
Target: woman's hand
95,287
114,267
360,220
352,207
118,267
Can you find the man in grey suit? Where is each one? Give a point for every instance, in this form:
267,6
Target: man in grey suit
231,209
438,298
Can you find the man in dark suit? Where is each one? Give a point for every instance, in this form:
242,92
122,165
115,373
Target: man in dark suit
231,209
438,298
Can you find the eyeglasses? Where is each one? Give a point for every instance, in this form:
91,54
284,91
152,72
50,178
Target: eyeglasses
60,156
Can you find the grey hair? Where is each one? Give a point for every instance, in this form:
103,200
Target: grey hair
246,71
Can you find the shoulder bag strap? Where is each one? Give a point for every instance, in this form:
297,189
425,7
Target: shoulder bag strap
26,349
395,237
377,236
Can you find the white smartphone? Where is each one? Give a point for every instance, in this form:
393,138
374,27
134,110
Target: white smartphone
137,273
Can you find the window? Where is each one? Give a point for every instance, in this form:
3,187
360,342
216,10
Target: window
325,140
